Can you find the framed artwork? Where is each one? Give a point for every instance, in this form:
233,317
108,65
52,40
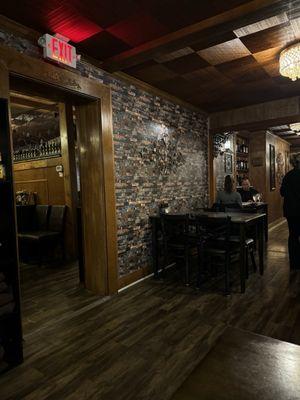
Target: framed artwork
228,163
287,162
280,162
272,167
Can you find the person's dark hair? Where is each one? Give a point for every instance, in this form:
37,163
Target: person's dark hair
245,179
228,184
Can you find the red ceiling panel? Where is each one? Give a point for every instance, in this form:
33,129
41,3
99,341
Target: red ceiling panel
68,22
52,16
137,29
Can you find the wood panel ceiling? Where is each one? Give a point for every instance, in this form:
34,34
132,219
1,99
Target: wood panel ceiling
285,132
213,54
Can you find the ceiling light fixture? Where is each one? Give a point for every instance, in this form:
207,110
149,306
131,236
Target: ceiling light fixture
296,128
289,62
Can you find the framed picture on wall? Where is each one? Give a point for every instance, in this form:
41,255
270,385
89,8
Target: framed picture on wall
272,167
228,163
287,162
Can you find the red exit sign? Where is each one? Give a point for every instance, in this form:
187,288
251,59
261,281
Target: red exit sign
58,49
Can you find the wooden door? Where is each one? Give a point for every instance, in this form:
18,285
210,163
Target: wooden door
67,137
97,197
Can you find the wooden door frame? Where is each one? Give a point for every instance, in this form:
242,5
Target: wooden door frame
42,72
211,170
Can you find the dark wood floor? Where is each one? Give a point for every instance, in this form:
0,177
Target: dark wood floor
143,343
50,293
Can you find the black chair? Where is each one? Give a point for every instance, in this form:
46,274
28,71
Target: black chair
177,241
41,217
216,207
32,220
232,207
50,224
250,242
26,217
220,207
214,244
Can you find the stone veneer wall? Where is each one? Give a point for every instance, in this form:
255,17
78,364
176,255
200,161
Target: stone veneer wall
160,156
219,165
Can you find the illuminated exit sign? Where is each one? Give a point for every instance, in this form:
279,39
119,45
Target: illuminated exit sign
58,49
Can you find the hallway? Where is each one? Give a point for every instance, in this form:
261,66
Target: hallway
143,343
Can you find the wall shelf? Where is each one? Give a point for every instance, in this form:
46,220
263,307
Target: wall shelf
242,158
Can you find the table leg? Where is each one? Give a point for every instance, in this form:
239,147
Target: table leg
261,245
242,257
266,223
154,248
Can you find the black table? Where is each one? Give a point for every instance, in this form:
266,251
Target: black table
240,219
259,207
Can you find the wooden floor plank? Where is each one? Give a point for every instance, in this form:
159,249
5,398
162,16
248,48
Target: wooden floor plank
143,343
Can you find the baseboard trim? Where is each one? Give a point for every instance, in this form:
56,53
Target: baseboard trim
136,277
275,224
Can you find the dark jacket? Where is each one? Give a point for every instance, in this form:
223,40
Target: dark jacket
290,190
247,194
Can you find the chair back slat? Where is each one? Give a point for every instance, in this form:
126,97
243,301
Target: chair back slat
209,228
175,228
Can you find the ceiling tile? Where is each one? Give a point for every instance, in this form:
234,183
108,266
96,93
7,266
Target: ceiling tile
68,22
137,29
152,73
267,56
231,50
177,86
295,24
104,13
269,60
261,25
209,76
103,45
278,36
186,64
213,39
243,70
174,54
177,14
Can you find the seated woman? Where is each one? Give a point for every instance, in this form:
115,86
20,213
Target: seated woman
229,196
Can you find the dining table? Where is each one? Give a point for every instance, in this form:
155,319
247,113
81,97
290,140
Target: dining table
259,207
240,221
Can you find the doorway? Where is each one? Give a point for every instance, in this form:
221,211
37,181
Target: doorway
43,151
88,104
